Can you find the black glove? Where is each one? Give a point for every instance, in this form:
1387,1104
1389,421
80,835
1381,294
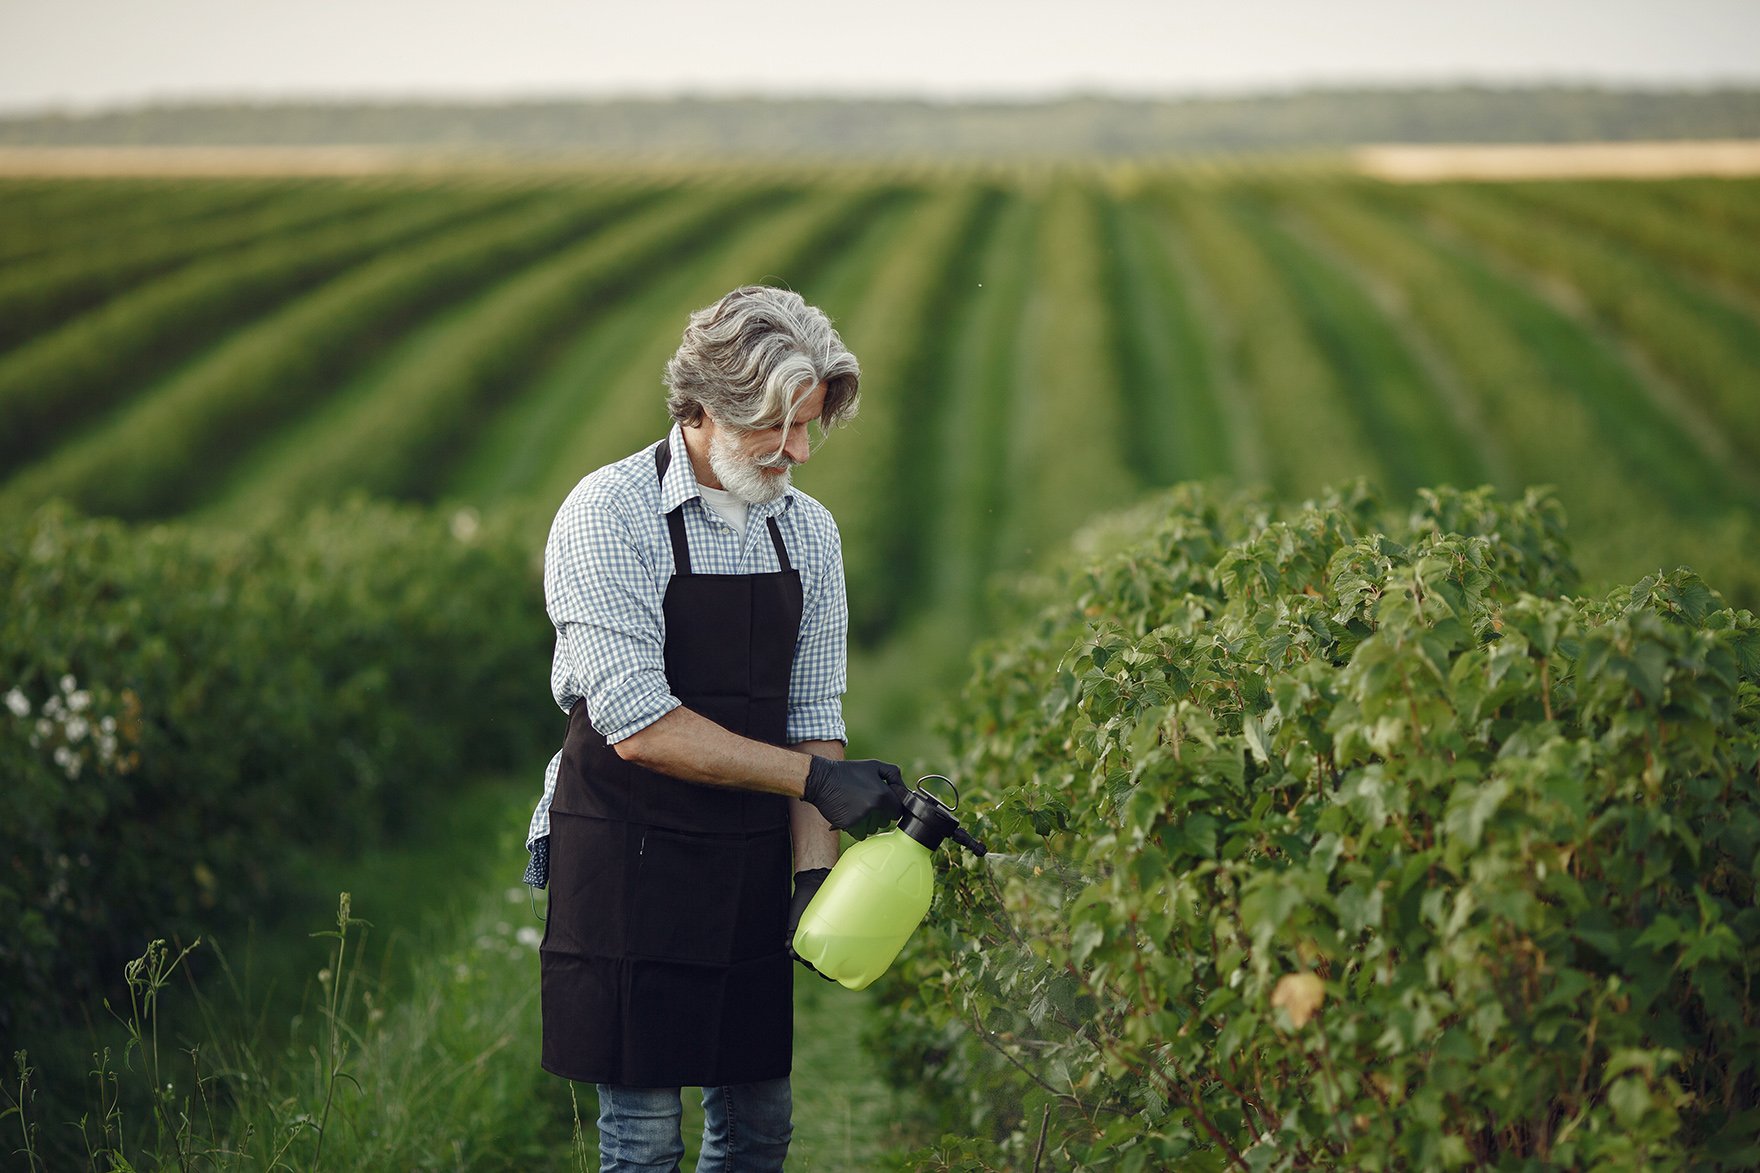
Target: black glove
858,797
806,886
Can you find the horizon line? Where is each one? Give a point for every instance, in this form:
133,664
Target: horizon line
67,108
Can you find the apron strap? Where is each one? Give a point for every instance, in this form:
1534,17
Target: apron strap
776,540
681,550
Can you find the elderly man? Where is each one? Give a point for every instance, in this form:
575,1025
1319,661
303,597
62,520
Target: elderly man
698,599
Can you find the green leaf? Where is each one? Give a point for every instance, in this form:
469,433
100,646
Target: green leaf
1717,944
1253,729
1084,938
1663,934
1196,835
1631,1100
1471,806
1268,904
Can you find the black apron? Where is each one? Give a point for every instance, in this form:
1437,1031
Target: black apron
664,962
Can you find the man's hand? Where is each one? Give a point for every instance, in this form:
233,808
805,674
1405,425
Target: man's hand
806,886
858,797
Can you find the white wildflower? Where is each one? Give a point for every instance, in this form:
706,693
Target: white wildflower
54,708
68,761
530,937
107,726
68,683
79,701
77,728
18,703
465,524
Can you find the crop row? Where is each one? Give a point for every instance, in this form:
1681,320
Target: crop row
65,379
978,381
1068,425
1634,215
54,288
1696,341
863,471
401,439
163,449
1538,381
611,384
1728,204
1035,346
1294,400
39,218
1168,373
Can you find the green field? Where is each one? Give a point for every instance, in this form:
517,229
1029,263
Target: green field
1036,345
1039,345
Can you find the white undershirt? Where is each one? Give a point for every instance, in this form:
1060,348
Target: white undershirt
727,507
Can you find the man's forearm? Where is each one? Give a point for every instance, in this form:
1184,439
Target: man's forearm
815,840
684,744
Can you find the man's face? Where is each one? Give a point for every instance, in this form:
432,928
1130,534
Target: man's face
753,464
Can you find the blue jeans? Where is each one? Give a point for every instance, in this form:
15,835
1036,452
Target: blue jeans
746,1128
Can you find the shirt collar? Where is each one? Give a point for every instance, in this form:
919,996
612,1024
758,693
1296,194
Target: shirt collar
680,483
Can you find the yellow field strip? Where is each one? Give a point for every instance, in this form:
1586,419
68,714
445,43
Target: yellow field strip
1412,163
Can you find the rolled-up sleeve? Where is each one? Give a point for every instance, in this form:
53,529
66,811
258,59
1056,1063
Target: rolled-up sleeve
820,678
605,601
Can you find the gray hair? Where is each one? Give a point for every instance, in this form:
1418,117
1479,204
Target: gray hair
745,359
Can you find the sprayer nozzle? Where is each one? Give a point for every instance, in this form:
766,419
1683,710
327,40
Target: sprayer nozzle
970,842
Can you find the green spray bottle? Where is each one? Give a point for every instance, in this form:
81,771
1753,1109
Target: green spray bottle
879,892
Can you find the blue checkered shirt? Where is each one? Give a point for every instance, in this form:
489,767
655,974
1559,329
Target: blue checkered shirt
606,567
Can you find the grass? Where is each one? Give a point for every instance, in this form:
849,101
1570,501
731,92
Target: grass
402,1033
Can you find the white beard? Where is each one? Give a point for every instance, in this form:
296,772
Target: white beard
742,476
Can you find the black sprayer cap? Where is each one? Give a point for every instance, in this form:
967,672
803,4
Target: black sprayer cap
928,820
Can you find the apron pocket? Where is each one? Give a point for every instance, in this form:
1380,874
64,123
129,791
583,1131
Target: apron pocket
709,899
684,901
588,905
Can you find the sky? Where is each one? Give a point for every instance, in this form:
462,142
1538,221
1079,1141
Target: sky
94,54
